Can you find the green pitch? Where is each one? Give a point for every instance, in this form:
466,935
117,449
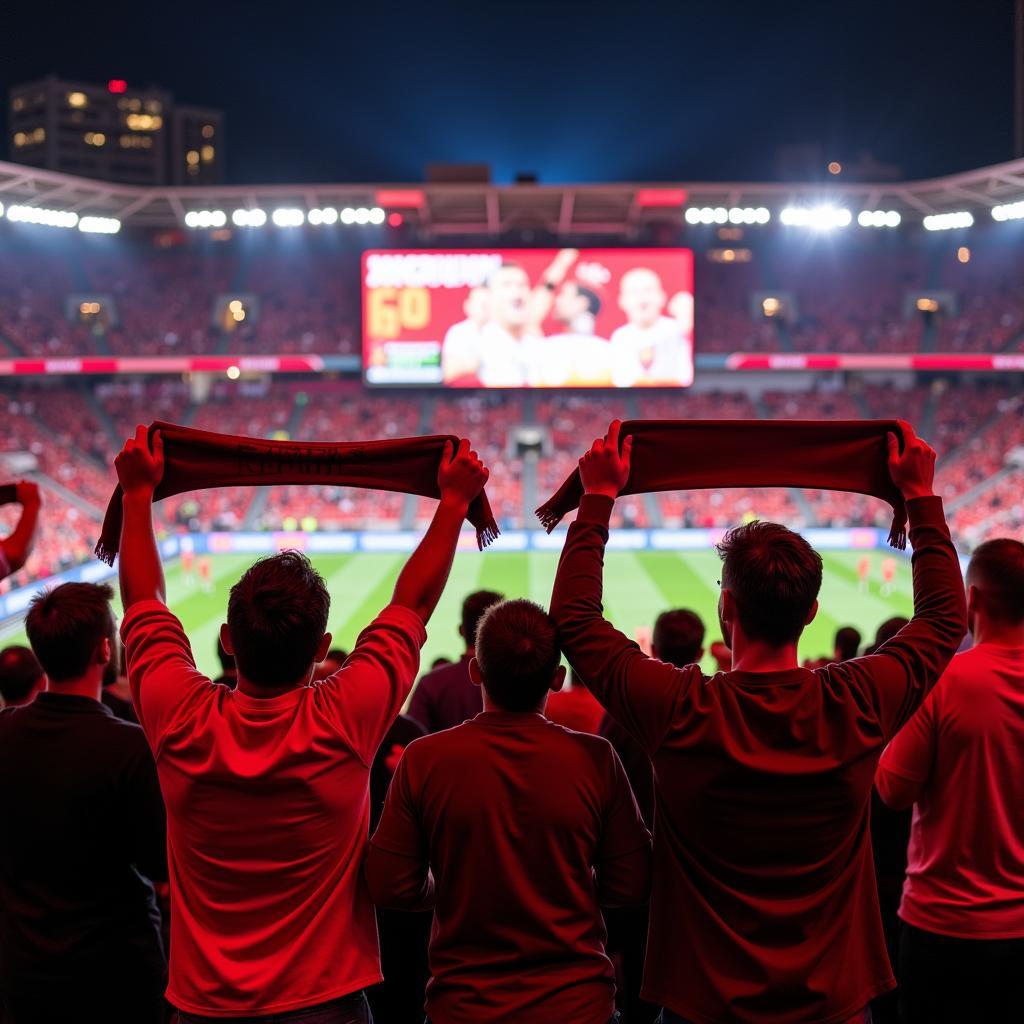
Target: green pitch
638,585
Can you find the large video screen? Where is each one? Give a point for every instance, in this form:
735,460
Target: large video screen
542,318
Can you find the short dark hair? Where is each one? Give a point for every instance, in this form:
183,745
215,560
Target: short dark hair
847,642
20,673
997,570
888,629
593,299
774,576
518,653
66,625
473,608
338,654
277,616
677,637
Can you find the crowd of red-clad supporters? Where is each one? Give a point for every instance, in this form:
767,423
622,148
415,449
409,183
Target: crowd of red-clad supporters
324,859
304,300
70,434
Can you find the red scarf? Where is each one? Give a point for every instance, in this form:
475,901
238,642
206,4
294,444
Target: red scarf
198,459
671,455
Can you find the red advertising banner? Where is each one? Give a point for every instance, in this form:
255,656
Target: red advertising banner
512,318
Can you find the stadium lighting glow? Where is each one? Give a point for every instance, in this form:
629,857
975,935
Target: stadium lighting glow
205,219
348,215
233,373
377,215
1,209
328,215
288,217
1008,211
37,215
749,215
100,225
819,218
707,215
362,215
948,221
878,218
117,85
254,218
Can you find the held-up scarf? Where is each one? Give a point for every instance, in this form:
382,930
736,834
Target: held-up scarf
198,459
8,494
671,455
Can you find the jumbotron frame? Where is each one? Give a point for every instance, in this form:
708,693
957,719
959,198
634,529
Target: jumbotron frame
439,210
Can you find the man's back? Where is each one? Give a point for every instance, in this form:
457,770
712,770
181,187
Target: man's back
268,814
445,697
82,824
516,813
965,871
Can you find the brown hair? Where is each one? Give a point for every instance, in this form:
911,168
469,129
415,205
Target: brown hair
518,653
997,570
66,625
277,616
774,575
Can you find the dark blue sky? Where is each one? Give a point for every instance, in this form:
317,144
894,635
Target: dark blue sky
572,91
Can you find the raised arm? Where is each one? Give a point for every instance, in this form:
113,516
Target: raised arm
638,691
18,546
139,470
461,477
899,675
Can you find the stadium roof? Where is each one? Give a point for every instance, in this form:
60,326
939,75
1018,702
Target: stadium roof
465,209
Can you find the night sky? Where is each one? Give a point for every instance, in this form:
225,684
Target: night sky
623,91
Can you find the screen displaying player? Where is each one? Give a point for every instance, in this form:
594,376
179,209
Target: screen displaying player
514,318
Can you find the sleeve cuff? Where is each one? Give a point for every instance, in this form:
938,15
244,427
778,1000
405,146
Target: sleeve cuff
138,611
925,511
595,508
406,619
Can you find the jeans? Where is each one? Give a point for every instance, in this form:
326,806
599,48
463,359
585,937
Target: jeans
861,1017
350,1009
949,979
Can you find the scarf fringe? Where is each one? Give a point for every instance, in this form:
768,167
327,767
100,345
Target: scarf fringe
104,554
548,516
487,534
898,533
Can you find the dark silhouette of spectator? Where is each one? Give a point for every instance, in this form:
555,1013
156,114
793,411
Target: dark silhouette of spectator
82,836
516,831
446,696
21,676
847,643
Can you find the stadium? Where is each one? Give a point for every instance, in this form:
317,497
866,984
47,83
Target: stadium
248,311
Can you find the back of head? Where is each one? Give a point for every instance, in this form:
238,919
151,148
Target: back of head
996,571
774,576
66,625
847,643
277,617
518,653
888,629
473,608
678,637
20,674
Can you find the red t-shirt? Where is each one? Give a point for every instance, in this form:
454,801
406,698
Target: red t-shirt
268,811
763,903
960,760
575,708
527,829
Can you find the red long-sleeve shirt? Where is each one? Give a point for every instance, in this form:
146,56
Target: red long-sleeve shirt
763,905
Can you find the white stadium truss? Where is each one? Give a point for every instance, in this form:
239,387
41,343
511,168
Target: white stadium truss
467,209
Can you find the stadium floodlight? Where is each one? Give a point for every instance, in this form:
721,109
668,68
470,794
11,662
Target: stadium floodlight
205,219
315,216
288,217
362,215
38,215
348,215
819,218
948,221
1,209
254,218
692,215
329,215
749,215
100,225
1008,211
878,218
377,215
